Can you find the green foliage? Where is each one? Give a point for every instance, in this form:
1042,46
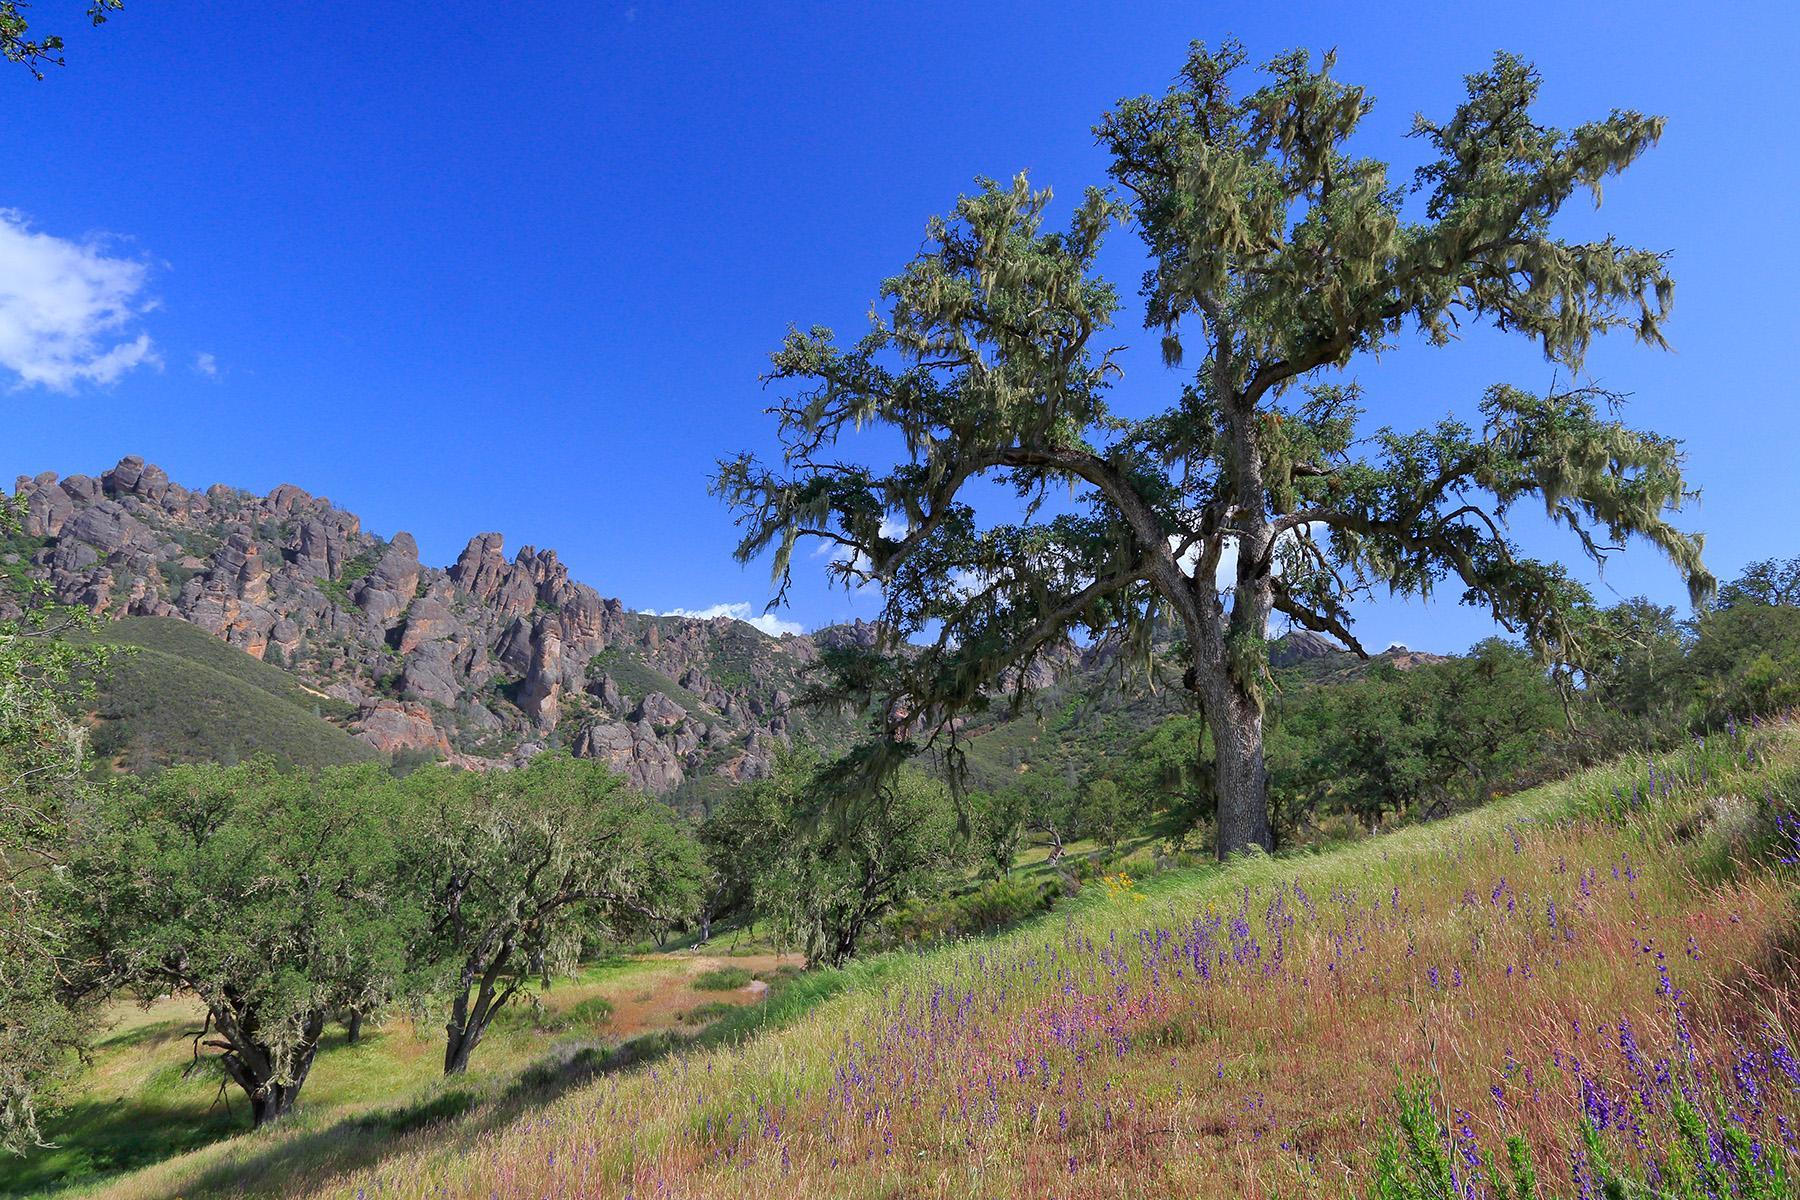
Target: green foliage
1772,583
721,979
1107,812
43,795
519,868
824,876
182,695
353,572
16,46
1740,658
1411,1160
1418,1158
997,821
1282,258
276,899
993,906
712,1010
1401,740
170,635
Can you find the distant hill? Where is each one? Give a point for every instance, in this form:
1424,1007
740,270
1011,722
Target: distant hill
181,695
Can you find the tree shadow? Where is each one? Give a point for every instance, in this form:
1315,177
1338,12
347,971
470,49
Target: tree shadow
94,1139
455,1115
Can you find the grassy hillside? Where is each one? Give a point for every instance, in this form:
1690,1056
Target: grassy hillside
180,695
171,636
146,1097
1228,1031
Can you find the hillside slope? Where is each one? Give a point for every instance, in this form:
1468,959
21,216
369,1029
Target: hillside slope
490,659
177,694
1212,1032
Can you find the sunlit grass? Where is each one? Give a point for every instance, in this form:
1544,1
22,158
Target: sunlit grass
1209,1032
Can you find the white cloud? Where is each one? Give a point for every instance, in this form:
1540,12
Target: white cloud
66,309
769,623
207,363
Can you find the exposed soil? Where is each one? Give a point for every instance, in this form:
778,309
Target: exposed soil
657,999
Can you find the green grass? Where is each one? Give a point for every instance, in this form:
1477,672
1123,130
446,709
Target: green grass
144,1098
1318,1049
721,979
180,695
172,636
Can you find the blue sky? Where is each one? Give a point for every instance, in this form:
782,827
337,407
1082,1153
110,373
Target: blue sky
466,267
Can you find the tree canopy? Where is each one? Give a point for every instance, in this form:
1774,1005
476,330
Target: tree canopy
1279,260
275,899
43,792
824,879
18,46
518,868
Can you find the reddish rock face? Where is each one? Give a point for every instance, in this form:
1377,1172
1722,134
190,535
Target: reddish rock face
392,726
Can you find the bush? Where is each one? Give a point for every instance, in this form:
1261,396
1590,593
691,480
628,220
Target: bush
593,1011
712,1010
990,907
721,979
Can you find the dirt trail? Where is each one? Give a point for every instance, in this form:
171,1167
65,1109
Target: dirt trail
658,999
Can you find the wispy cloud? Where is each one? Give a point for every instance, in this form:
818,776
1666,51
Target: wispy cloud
67,309
207,363
769,623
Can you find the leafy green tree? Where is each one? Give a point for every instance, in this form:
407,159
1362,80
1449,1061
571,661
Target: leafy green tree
1402,740
1279,260
1773,583
998,823
1050,808
518,868
1743,661
17,46
1643,680
44,794
1106,811
725,833
1169,769
274,898
825,876
1665,678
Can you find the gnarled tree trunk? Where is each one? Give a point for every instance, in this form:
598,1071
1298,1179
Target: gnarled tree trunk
251,1065
1242,777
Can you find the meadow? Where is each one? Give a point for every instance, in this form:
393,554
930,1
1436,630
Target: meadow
1590,985
147,1094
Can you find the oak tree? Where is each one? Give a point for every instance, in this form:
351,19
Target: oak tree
1279,259
275,899
519,868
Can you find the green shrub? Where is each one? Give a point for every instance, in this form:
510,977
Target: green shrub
595,1010
989,907
712,1010
721,979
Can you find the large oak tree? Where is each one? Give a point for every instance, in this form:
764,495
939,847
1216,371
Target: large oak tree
276,899
1279,258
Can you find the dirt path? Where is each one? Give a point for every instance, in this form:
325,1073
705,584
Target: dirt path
658,999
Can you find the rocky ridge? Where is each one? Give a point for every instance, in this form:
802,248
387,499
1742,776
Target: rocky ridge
483,662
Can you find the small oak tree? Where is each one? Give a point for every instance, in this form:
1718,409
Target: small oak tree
1278,258
519,868
822,878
